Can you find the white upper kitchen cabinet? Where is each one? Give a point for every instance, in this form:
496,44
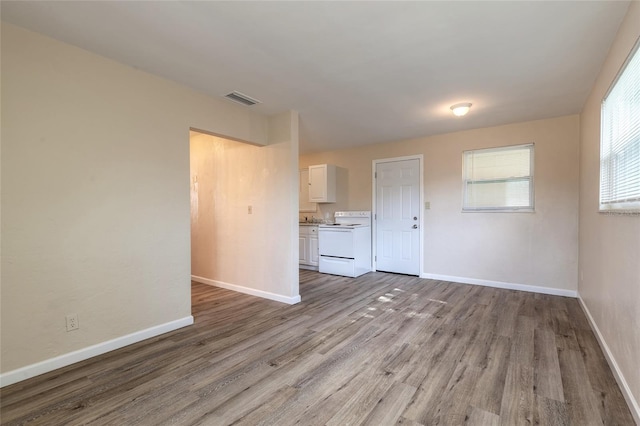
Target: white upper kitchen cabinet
303,193
322,183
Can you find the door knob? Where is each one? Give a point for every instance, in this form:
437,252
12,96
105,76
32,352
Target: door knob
415,226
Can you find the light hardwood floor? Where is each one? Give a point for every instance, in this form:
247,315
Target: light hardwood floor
380,349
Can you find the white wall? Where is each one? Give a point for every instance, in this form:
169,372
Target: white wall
523,249
95,200
230,247
610,245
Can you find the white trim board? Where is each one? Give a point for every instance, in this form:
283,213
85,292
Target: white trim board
500,284
246,290
634,407
51,364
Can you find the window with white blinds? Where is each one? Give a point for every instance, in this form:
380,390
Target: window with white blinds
498,179
620,140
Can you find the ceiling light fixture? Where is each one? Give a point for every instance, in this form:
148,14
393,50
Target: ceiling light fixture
461,109
242,98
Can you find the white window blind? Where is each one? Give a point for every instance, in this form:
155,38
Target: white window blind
620,140
498,179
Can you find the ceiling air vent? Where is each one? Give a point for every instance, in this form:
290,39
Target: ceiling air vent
242,98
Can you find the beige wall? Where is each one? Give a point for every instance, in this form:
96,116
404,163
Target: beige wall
534,249
229,246
95,196
610,244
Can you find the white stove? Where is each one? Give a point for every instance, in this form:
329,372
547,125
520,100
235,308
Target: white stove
349,219
345,245
341,225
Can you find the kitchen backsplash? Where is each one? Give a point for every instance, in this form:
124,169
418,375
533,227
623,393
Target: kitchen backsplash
323,215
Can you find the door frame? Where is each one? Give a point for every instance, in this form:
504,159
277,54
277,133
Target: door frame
374,222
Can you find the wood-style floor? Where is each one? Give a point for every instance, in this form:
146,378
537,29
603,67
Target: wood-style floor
381,349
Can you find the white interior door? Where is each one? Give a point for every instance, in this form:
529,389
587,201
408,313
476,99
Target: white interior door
398,220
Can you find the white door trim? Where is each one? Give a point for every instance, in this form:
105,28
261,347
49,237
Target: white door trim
374,222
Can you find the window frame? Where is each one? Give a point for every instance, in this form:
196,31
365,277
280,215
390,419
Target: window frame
501,209
614,206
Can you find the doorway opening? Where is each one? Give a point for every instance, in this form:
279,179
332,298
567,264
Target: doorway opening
239,215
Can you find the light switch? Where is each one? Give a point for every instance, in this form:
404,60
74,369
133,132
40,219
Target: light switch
427,205
250,209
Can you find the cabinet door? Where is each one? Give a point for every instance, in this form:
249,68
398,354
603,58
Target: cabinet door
313,250
304,250
303,194
317,183
322,183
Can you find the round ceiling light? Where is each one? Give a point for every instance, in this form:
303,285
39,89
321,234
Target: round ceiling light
461,109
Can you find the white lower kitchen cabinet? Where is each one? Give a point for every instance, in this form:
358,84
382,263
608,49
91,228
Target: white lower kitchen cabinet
314,252
309,247
304,248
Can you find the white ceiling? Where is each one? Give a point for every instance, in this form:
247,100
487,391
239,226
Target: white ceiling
358,72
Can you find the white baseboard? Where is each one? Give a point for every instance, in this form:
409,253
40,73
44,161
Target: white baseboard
308,267
51,364
624,386
246,290
500,284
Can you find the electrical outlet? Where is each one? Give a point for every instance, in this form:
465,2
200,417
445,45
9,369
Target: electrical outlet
72,322
250,209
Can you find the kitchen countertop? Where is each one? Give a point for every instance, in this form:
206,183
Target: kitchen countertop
308,224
